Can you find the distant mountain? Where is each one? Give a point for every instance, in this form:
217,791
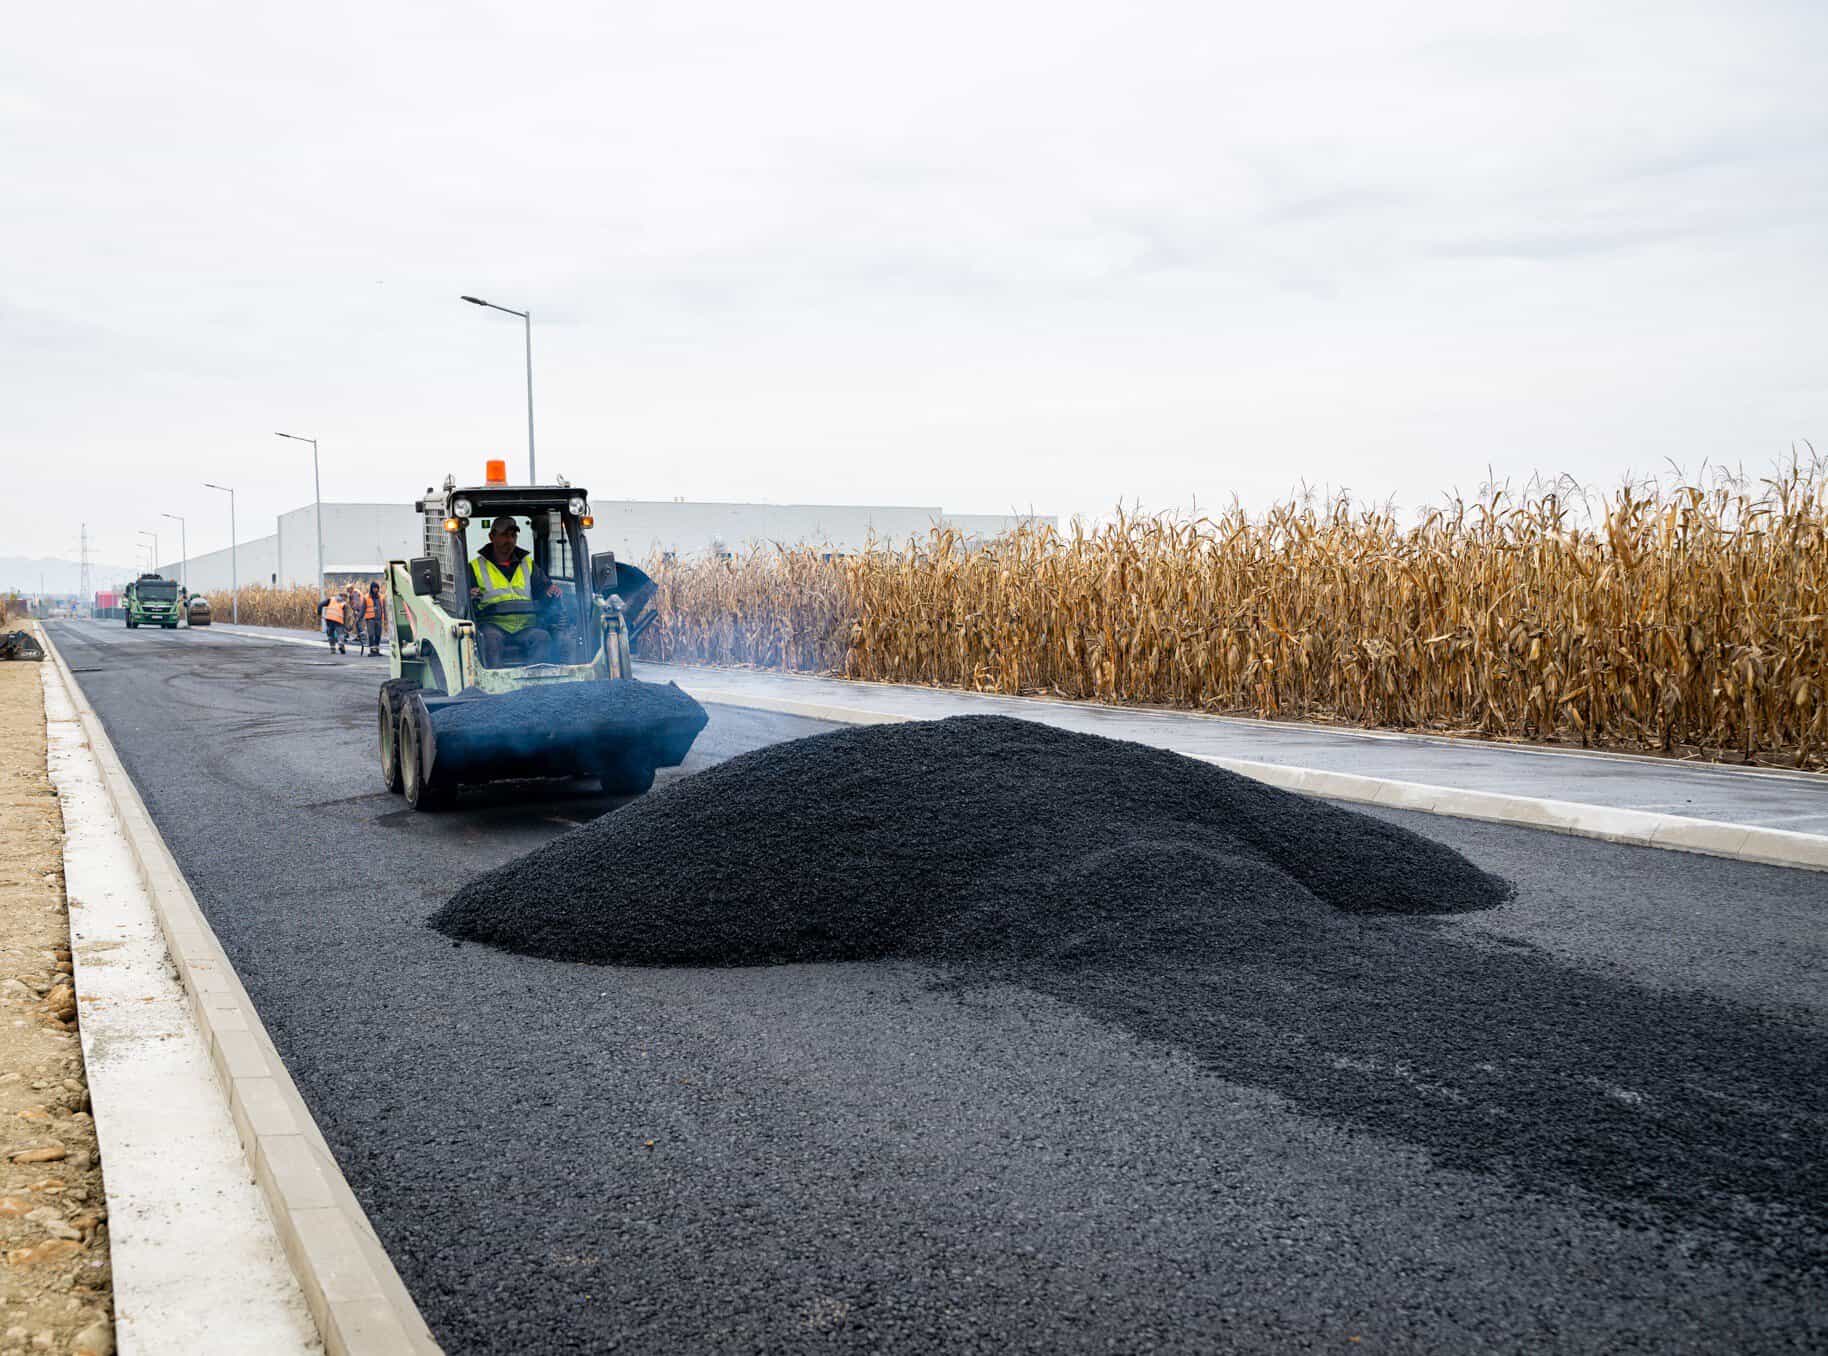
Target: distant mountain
21,574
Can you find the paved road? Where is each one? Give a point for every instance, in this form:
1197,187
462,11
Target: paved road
1590,1120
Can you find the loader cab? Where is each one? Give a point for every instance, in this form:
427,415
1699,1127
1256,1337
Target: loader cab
551,521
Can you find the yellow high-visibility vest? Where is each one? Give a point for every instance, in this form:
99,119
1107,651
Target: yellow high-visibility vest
507,600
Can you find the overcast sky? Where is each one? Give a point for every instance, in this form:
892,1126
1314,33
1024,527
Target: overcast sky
985,254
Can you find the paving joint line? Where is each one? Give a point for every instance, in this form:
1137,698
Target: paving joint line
355,1295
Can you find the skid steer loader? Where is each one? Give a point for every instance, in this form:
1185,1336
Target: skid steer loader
435,738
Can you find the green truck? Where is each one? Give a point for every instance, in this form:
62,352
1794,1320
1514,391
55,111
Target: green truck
152,600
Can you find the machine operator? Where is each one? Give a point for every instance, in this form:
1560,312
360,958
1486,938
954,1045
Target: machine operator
504,582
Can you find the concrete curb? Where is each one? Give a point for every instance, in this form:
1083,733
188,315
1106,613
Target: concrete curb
357,1299
1714,838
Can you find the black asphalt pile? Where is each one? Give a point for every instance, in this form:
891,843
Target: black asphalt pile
974,838
575,716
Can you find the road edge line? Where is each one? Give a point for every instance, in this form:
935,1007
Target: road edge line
355,1295
1637,828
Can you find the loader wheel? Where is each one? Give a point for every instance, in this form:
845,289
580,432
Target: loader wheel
630,775
390,743
421,793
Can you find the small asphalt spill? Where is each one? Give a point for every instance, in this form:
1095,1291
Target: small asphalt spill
1284,942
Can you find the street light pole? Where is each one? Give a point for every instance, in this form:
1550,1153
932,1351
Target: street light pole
317,486
184,547
155,548
527,317
234,565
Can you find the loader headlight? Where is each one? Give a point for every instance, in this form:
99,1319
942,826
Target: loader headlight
577,506
460,508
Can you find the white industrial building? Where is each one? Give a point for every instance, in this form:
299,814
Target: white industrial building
360,538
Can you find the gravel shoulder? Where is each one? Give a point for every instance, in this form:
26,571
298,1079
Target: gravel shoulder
55,1289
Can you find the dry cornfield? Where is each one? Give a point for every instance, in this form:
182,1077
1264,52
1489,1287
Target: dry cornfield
1689,620
265,606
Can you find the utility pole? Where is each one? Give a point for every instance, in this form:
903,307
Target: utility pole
88,598
234,566
527,317
317,486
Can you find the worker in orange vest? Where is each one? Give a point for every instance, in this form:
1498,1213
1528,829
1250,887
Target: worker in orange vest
331,609
371,617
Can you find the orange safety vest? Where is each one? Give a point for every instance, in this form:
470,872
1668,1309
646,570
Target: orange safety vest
333,611
368,608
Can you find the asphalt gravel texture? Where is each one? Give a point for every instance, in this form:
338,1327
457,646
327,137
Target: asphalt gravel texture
525,716
971,838
584,725
1587,1119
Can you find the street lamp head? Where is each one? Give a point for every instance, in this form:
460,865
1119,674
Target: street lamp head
474,301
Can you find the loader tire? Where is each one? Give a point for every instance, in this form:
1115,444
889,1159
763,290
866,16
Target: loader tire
422,793
391,700
390,742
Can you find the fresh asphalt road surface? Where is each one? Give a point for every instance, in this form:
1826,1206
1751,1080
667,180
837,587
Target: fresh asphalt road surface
1587,1121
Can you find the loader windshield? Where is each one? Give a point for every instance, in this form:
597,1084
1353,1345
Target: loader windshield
548,537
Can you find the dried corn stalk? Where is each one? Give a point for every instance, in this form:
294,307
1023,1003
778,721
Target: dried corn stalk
1690,619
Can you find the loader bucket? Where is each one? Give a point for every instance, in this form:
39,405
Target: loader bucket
620,731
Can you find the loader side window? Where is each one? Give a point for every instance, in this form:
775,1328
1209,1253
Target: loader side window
556,557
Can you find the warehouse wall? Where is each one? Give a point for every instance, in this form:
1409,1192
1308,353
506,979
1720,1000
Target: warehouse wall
363,536
253,559
355,536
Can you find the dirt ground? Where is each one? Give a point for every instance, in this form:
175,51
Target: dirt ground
55,1279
